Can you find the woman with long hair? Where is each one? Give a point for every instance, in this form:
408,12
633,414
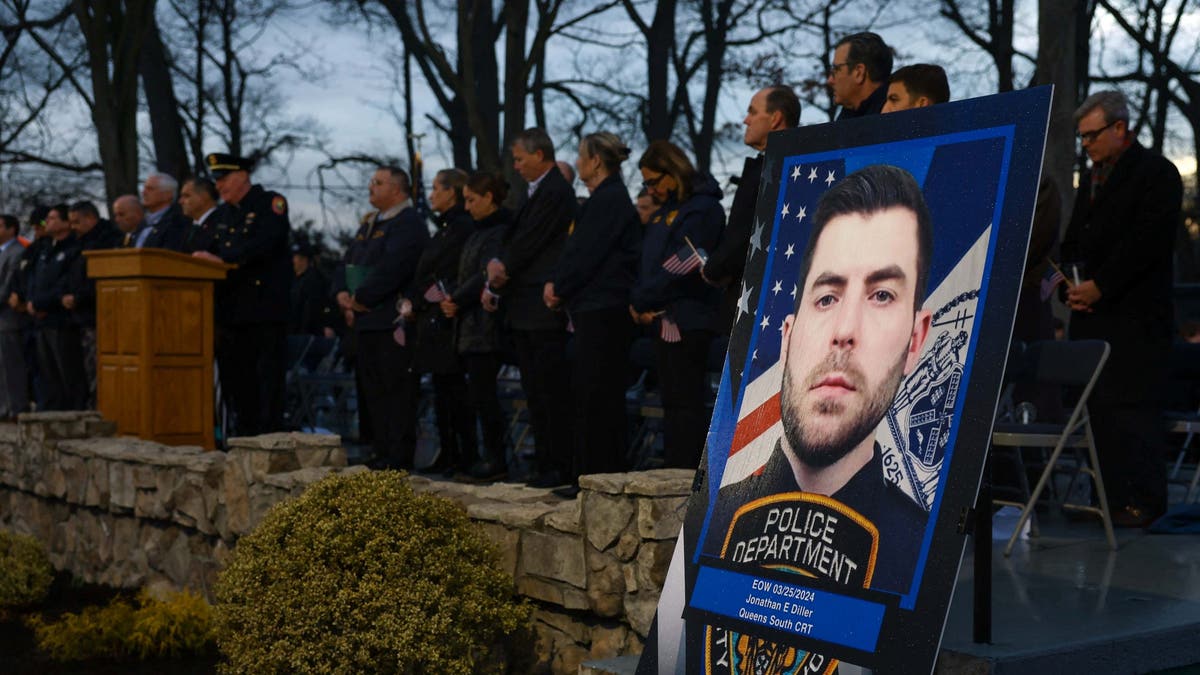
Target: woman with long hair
478,332
671,294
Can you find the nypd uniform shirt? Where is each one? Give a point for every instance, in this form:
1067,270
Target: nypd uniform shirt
253,234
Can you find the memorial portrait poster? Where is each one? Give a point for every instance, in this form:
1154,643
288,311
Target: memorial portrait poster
848,437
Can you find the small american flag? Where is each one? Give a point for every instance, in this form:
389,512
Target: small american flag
687,259
668,330
436,292
1050,280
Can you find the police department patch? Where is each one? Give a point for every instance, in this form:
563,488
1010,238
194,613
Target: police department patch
802,533
279,205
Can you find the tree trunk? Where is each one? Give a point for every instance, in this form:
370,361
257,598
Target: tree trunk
114,112
1056,65
659,43
170,155
516,19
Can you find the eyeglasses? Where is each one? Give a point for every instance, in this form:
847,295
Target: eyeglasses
833,68
1091,136
649,183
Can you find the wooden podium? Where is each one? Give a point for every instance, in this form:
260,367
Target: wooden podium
154,343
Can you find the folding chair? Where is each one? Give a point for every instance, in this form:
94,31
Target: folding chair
1063,364
1185,418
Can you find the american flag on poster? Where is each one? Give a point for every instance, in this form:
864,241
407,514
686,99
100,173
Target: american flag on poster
914,433
758,329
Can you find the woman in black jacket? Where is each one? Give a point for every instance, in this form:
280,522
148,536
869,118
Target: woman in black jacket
671,294
592,282
434,351
478,331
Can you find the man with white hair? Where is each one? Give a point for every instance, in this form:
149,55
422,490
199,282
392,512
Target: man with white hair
169,227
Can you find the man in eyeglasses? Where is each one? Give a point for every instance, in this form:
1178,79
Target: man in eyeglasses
858,76
1117,256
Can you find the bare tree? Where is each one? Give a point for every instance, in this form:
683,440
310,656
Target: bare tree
29,83
112,32
1056,64
228,96
1171,76
991,26
166,124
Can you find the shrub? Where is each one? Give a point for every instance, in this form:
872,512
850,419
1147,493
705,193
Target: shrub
25,572
361,575
180,624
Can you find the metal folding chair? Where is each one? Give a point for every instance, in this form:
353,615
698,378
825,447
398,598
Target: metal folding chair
1185,419
1062,364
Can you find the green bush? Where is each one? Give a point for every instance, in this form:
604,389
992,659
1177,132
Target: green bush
178,625
25,572
361,575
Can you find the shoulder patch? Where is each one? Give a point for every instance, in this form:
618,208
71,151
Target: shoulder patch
279,205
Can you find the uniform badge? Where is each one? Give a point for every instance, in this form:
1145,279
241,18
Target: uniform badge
802,533
671,217
571,228
60,256
279,205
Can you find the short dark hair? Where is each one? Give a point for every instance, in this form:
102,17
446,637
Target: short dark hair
201,184
534,140
783,98
86,208
667,158
400,176
483,182
870,50
63,210
37,217
924,79
870,190
10,222
454,179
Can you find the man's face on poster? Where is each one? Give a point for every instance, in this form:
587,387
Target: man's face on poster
854,336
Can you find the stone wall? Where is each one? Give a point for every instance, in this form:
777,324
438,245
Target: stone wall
130,513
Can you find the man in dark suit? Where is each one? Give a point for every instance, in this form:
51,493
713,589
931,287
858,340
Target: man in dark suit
252,231
529,251
198,201
170,225
771,109
59,340
130,218
379,265
1117,256
13,386
858,76
95,234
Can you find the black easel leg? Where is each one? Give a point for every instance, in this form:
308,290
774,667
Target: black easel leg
983,558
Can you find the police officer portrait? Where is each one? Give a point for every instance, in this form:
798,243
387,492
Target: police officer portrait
822,503
850,359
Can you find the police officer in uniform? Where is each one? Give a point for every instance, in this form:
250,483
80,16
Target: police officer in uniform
379,264
252,232
59,340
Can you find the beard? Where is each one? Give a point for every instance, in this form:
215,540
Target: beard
820,449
